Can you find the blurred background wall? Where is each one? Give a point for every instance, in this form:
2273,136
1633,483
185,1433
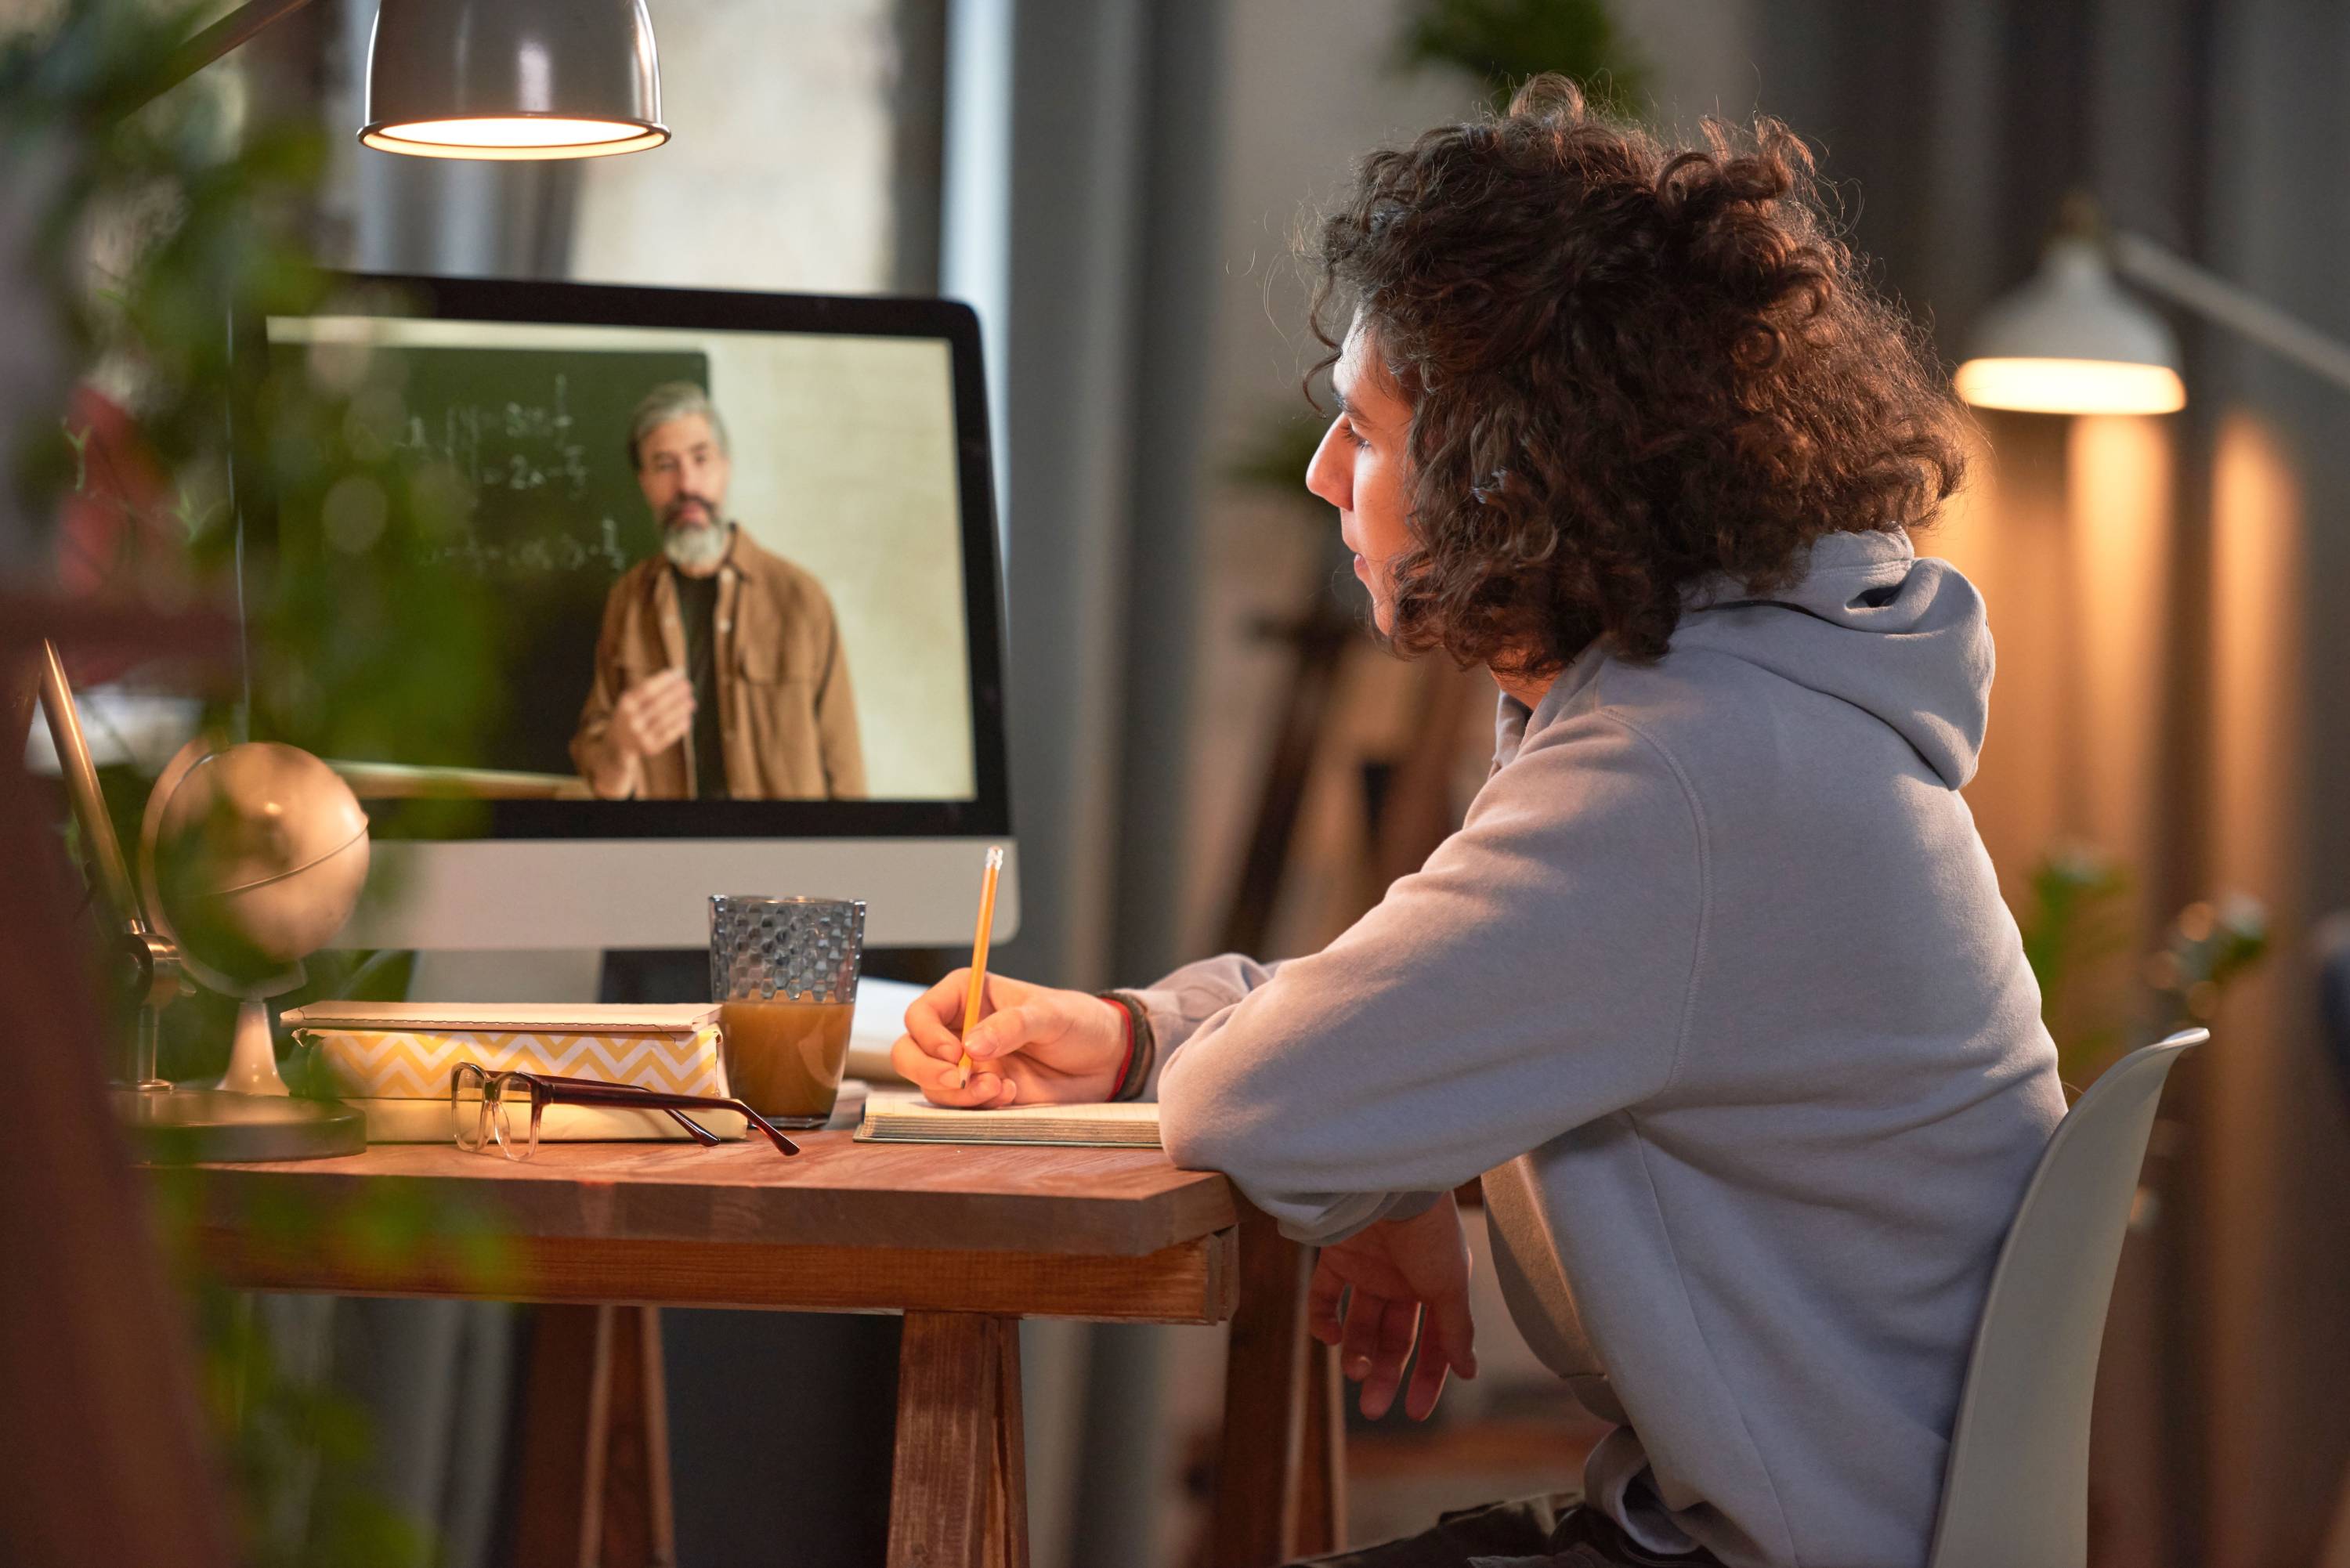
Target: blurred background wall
2168,693
1116,184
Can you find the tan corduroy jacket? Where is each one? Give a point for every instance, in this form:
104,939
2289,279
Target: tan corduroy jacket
786,715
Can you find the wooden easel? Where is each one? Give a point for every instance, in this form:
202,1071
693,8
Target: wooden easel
1416,812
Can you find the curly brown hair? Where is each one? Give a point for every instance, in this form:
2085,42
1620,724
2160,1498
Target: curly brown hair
1629,367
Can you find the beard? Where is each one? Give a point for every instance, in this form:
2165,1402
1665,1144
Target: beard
695,546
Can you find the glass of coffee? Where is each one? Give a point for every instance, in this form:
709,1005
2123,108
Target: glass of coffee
784,974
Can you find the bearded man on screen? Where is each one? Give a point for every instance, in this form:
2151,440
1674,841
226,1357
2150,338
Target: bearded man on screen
719,670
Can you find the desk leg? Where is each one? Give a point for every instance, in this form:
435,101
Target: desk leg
594,1469
958,1488
1280,1463
1321,1522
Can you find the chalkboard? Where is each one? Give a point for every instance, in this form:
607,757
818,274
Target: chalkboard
539,437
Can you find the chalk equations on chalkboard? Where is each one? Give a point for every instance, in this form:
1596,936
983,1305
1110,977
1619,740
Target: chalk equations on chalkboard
535,444
532,447
548,553
540,447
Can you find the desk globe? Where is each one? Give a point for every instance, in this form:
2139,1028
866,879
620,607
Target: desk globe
250,859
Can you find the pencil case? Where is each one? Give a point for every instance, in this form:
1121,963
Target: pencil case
392,1060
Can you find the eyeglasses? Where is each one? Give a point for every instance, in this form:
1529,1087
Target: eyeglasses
487,1109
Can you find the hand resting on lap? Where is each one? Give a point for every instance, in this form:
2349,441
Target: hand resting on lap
1403,1282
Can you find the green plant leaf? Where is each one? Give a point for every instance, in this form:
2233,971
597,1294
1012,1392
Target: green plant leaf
1504,42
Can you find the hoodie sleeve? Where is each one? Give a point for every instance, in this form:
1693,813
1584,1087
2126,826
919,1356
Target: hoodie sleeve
1178,1005
1533,976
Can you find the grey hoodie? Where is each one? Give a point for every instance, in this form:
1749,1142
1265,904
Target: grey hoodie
1715,988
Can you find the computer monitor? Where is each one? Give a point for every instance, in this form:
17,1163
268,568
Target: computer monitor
834,606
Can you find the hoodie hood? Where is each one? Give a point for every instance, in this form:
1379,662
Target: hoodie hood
1903,640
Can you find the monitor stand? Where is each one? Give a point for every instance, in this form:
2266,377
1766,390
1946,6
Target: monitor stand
562,974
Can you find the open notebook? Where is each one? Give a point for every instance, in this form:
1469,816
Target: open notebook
902,1117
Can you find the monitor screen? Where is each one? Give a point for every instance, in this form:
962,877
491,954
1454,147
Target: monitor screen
742,548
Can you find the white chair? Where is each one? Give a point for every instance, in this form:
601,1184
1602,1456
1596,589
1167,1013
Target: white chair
2016,1491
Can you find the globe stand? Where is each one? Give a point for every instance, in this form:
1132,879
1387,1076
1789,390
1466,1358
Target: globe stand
250,1116
253,1048
173,1125
181,1126
253,1053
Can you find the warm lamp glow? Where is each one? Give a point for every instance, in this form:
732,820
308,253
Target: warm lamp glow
514,137
2072,386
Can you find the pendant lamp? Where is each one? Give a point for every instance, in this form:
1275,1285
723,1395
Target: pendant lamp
513,80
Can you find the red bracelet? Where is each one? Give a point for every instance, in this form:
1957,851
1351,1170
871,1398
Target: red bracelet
1126,1018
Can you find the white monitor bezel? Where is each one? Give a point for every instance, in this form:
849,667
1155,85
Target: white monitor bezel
638,874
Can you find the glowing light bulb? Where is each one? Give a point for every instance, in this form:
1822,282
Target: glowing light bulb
514,137
2058,385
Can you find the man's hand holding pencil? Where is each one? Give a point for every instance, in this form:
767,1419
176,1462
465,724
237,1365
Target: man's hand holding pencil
1031,1044
1007,1042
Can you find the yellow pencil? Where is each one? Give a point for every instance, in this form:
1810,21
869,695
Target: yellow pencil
979,948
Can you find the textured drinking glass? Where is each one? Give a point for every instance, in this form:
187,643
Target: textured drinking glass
783,973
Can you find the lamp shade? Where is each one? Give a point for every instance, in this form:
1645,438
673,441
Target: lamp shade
2071,341
513,79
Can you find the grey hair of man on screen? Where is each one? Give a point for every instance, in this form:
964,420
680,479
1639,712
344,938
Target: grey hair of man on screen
672,400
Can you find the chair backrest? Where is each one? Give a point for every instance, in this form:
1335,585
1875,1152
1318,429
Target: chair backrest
2015,1493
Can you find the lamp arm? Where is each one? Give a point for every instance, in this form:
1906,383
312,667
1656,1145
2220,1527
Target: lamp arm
230,32
2162,271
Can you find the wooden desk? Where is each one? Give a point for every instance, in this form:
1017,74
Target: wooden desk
964,1242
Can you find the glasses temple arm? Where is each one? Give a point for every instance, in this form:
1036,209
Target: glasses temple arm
590,1092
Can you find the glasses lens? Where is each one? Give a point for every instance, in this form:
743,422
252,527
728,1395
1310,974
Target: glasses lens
466,1104
513,1116
500,1118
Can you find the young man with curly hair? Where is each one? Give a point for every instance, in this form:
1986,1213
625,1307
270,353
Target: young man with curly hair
1714,986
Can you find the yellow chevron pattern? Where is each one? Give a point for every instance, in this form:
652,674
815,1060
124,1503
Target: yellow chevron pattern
388,1065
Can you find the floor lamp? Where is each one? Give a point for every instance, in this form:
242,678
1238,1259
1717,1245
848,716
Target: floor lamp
2072,341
